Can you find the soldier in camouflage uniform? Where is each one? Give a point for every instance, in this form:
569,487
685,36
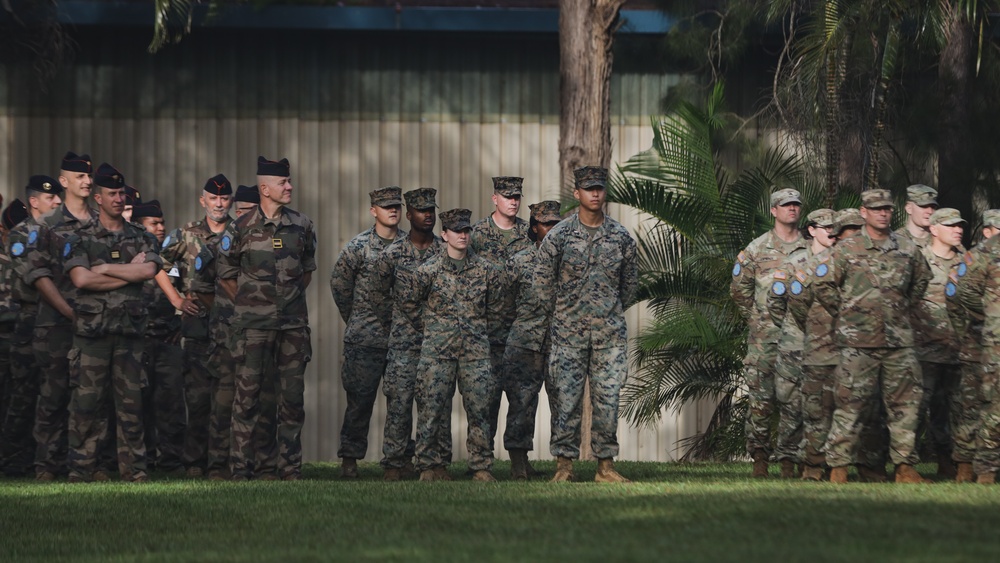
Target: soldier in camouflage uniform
876,278
820,354
266,259
978,290
109,261
53,337
497,238
42,194
457,289
368,317
180,252
921,201
163,359
394,278
937,342
753,276
12,215
788,378
588,276
526,356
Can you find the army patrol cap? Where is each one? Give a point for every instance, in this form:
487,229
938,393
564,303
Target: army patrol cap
507,186
247,194
590,177
219,185
14,214
456,219
386,197
947,216
72,162
921,195
44,185
149,209
991,218
873,199
421,198
279,168
545,212
849,217
822,218
132,196
108,176
785,196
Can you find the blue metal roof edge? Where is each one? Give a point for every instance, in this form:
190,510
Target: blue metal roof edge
353,18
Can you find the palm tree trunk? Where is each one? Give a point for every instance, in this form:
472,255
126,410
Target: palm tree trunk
881,103
955,68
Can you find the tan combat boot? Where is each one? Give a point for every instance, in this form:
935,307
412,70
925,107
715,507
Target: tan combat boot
907,474
986,478
392,474
441,474
519,465
812,473
964,473
875,474
838,475
606,472
787,469
349,468
564,470
428,475
484,476
760,464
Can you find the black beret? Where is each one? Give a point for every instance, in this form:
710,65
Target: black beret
73,162
44,184
150,209
267,167
14,214
248,194
108,176
219,185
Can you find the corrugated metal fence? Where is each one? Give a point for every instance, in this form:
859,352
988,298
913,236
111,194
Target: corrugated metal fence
352,112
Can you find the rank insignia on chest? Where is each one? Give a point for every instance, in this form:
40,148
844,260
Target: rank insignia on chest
276,242
115,255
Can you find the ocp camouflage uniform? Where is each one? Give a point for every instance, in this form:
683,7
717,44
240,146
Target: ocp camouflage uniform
526,357
871,291
587,281
271,261
395,279
753,276
791,345
937,347
18,443
368,316
180,250
498,246
107,352
457,296
53,339
8,315
979,292
163,397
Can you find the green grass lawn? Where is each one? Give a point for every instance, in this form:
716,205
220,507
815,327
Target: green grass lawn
680,512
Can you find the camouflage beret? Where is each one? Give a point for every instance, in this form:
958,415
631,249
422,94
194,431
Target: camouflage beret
876,198
279,168
991,218
72,162
108,176
785,196
946,216
507,186
822,217
588,177
849,217
386,197
921,195
15,212
219,185
44,184
545,211
456,219
421,198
